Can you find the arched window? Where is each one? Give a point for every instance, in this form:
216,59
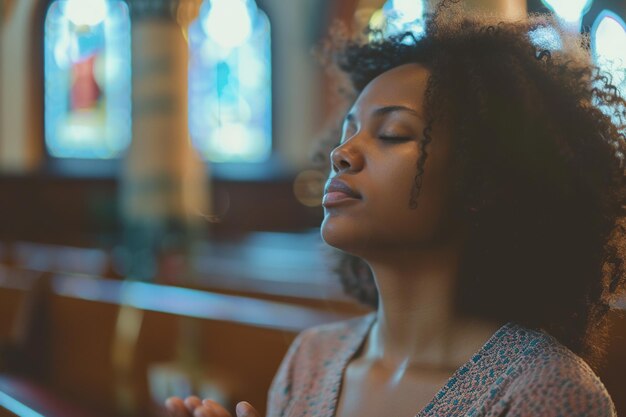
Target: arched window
87,78
230,93
608,44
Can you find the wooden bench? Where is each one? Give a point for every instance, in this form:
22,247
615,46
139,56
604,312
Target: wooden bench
269,266
116,346
44,257
23,298
121,347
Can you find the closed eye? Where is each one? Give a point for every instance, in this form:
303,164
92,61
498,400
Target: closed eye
393,138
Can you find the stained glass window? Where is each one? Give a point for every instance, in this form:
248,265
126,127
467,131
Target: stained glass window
87,78
230,93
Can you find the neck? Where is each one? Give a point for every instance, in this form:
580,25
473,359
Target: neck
416,325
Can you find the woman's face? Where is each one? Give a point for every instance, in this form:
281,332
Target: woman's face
377,158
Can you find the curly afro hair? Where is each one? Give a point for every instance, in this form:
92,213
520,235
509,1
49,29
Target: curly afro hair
541,162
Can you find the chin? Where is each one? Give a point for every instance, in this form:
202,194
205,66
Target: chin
340,238
329,237
333,235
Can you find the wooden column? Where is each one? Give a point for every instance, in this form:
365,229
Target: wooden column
507,9
20,148
164,183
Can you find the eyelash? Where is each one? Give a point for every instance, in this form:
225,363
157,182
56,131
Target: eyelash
388,138
394,138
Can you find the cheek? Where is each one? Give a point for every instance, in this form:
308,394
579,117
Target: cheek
397,222
385,218
380,224
388,210
392,214
393,191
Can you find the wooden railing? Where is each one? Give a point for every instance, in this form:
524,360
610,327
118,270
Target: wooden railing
271,266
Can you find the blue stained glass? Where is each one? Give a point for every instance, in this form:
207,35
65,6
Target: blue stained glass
87,78
230,93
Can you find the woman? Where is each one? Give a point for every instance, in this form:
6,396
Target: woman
477,196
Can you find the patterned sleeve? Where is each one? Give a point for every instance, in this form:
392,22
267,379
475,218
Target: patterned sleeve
279,393
560,391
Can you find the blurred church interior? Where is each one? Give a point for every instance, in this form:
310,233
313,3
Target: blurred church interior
160,189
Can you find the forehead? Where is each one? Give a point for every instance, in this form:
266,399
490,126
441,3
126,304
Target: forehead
402,85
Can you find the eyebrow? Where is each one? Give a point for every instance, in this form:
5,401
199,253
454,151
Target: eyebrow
384,110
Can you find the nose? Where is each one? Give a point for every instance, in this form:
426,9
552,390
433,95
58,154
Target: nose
346,157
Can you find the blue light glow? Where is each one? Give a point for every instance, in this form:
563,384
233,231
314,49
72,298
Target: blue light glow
569,10
229,23
608,37
546,37
230,82
408,10
86,12
608,44
87,78
16,407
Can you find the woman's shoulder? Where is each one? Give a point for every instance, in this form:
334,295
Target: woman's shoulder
556,379
332,336
315,355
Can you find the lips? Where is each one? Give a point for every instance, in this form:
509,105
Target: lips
337,191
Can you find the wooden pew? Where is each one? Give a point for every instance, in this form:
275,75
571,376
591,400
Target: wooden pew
233,333
112,345
57,258
22,311
270,266
12,298
108,342
284,267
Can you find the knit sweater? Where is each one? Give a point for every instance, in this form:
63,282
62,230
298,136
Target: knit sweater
518,372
